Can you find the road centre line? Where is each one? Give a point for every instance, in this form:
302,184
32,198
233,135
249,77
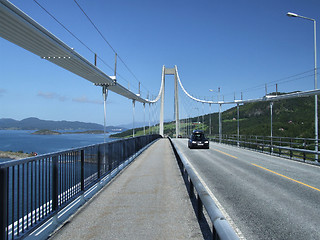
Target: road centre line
317,189
225,153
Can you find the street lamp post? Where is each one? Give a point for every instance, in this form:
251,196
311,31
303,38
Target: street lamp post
220,125
210,116
238,125
215,92
290,14
220,110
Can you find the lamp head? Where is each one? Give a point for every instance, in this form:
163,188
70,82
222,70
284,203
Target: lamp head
290,14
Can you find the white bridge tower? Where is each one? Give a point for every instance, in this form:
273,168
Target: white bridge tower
170,71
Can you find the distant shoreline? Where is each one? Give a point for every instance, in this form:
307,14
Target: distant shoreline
14,143
14,155
50,132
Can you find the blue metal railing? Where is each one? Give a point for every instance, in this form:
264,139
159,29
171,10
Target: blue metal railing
34,189
301,149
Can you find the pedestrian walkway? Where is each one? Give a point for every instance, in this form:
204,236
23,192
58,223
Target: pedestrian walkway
147,201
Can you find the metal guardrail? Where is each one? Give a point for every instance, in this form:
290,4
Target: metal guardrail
221,228
34,189
294,148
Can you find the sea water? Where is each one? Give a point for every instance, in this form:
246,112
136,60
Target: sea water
24,140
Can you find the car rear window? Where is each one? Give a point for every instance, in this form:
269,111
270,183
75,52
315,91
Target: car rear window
197,136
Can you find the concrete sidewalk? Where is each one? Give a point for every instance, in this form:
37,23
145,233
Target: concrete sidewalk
147,201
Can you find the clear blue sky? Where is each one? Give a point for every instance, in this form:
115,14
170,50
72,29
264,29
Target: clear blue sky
235,45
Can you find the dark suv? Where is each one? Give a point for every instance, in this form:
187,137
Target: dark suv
198,140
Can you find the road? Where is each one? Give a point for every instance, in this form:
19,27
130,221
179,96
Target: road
267,197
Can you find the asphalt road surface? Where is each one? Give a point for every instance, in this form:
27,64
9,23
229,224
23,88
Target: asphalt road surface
267,197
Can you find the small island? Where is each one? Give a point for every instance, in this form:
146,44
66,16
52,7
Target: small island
46,132
86,132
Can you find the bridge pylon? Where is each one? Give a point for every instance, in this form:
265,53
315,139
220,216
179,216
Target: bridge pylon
169,71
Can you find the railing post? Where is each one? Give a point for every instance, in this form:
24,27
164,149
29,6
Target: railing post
110,159
214,233
99,167
135,146
246,143
55,188
82,170
3,203
290,147
99,162
122,152
199,207
55,183
279,151
270,149
125,150
191,188
117,155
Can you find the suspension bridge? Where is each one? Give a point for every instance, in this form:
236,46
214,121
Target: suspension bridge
246,193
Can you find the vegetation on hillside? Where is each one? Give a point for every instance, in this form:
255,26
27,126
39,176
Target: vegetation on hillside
291,118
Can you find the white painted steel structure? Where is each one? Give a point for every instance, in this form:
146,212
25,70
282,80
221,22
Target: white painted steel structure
20,29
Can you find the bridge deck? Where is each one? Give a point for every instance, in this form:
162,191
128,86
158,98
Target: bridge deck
148,200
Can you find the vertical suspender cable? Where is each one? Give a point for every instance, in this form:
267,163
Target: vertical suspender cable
149,118
133,113
238,125
105,95
144,119
210,116
271,133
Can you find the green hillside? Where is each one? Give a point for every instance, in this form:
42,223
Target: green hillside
291,118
